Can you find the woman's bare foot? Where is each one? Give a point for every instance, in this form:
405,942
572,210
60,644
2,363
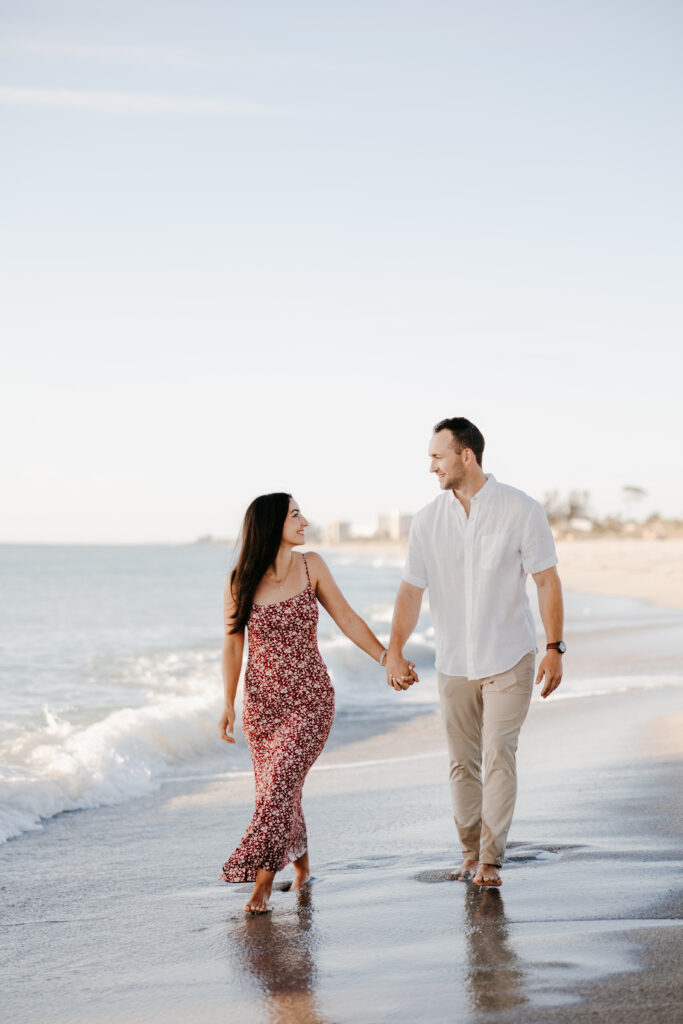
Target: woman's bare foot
464,872
302,871
258,901
488,874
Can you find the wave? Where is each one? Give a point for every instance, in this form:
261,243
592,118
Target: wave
359,683
65,767
65,761
62,763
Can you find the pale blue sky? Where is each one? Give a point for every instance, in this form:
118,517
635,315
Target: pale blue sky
260,246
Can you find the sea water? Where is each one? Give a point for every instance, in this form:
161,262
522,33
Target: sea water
110,679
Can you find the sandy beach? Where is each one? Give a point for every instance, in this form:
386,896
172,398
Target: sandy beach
126,921
625,567
621,566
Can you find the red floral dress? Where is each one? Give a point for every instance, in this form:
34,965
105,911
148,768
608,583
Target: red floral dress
286,718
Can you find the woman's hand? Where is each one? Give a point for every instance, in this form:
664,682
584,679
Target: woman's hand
400,672
226,724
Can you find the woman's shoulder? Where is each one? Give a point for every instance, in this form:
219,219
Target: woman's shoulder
312,557
315,562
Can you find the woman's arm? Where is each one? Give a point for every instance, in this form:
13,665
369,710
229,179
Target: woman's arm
338,608
233,652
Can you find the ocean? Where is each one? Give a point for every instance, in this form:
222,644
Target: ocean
110,679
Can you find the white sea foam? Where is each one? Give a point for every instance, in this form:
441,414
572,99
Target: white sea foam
383,613
611,686
387,562
62,767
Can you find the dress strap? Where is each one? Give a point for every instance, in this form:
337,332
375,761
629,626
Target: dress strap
308,576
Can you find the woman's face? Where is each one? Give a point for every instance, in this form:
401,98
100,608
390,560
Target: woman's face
295,524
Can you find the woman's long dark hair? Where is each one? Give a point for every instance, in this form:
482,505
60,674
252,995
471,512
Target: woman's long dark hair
261,535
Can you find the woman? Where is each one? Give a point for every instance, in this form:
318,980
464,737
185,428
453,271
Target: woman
288,704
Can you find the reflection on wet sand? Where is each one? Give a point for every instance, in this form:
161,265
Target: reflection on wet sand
279,954
494,975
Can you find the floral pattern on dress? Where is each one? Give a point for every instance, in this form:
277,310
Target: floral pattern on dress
286,718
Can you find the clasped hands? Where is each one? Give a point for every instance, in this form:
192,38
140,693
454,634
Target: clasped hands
400,672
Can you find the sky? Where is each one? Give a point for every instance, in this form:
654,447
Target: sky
257,247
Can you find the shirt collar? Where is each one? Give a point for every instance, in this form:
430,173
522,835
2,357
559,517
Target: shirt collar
484,493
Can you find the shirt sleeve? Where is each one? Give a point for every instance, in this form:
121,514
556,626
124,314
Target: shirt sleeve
415,570
538,545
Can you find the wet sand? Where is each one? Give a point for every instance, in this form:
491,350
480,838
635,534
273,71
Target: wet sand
125,920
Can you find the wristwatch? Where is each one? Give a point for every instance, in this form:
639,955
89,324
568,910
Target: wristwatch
560,646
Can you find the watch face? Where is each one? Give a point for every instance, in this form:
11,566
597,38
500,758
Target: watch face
562,647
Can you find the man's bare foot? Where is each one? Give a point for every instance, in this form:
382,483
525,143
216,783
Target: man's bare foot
302,871
258,901
464,872
488,874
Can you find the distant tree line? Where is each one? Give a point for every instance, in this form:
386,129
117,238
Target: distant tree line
562,508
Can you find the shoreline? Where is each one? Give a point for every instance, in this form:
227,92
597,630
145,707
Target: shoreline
610,565
650,570
380,934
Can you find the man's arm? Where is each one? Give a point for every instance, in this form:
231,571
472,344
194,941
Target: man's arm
406,614
552,614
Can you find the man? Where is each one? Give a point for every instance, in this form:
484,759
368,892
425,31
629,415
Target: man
473,547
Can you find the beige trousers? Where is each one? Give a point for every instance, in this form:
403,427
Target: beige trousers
484,716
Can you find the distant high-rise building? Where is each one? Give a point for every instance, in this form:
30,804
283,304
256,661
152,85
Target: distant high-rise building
314,533
398,525
383,527
338,531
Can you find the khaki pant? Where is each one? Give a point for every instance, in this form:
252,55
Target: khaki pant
485,716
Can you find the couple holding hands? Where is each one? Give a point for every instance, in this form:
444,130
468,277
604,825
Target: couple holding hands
473,547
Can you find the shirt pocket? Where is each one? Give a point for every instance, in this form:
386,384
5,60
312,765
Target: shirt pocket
492,550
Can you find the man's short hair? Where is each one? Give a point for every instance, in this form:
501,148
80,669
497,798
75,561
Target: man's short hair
465,435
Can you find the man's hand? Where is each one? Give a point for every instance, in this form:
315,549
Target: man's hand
400,672
551,668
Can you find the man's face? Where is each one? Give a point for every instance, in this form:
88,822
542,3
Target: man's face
446,461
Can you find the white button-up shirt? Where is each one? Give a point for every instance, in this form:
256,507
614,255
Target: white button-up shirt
475,568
